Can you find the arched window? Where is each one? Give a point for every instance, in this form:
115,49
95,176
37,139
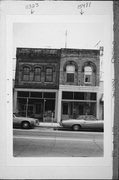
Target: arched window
49,74
37,74
88,74
26,73
70,70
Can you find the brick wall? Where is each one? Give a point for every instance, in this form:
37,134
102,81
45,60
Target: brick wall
37,60
79,57
58,59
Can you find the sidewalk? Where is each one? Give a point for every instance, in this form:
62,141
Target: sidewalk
49,125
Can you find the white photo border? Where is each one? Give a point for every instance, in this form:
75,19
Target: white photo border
75,161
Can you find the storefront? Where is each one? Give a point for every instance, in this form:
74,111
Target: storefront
41,105
75,104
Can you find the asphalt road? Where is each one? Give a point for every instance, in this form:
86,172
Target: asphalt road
41,142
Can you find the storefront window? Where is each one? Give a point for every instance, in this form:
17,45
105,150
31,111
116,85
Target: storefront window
79,95
36,94
39,108
67,95
65,108
93,96
49,95
82,103
81,109
37,104
23,94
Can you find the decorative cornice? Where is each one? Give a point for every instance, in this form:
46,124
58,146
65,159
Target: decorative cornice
37,53
30,53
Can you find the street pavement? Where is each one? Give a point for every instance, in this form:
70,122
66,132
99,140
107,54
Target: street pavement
47,142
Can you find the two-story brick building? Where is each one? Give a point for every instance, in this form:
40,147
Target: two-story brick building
37,82
79,84
61,82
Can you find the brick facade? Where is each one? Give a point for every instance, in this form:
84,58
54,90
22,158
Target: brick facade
43,83
80,58
32,58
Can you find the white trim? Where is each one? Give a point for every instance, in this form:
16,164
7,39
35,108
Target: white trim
36,90
79,88
74,100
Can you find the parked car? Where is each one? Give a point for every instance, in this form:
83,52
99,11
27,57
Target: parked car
88,122
24,122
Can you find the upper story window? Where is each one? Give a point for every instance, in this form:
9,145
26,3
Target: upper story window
70,70
49,74
37,74
26,73
87,75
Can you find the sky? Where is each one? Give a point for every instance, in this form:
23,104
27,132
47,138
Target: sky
53,35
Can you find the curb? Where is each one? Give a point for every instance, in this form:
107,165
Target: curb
49,126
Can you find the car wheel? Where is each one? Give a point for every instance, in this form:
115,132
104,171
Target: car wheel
25,125
76,127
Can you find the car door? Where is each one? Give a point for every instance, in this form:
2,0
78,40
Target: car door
93,124
90,124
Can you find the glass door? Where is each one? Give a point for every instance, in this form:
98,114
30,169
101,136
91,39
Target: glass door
39,111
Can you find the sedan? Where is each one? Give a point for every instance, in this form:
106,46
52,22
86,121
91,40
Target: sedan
78,124
24,122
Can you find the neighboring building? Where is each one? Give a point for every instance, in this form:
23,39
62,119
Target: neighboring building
58,83
79,90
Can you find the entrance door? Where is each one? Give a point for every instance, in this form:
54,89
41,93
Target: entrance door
39,111
49,110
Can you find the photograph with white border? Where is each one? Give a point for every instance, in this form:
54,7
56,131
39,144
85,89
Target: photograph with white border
59,71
